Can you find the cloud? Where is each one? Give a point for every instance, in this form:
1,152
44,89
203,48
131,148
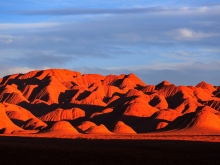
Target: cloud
179,74
8,70
33,58
11,26
6,39
82,11
163,41
129,37
135,40
173,66
155,10
14,70
188,34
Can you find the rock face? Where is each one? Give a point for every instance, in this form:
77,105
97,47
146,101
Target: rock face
86,125
101,129
6,125
205,119
34,124
63,127
60,114
122,128
93,103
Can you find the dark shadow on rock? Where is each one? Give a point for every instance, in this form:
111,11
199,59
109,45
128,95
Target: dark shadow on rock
139,87
9,81
83,95
142,124
2,130
180,122
66,97
175,100
17,122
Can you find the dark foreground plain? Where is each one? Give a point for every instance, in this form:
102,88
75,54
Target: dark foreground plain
26,150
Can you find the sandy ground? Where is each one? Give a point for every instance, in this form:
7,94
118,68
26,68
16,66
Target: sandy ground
153,148
184,134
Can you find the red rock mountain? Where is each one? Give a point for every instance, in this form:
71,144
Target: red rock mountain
59,100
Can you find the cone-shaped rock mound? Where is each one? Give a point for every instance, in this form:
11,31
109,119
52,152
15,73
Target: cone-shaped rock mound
6,125
63,126
61,114
17,114
162,84
206,86
165,116
34,124
86,125
101,129
122,128
205,119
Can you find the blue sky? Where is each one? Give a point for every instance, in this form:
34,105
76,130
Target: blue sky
157,40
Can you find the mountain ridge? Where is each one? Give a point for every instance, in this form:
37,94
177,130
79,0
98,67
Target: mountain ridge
45,97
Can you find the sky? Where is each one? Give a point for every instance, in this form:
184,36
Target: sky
172,40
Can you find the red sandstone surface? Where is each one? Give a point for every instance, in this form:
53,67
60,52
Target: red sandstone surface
64,103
